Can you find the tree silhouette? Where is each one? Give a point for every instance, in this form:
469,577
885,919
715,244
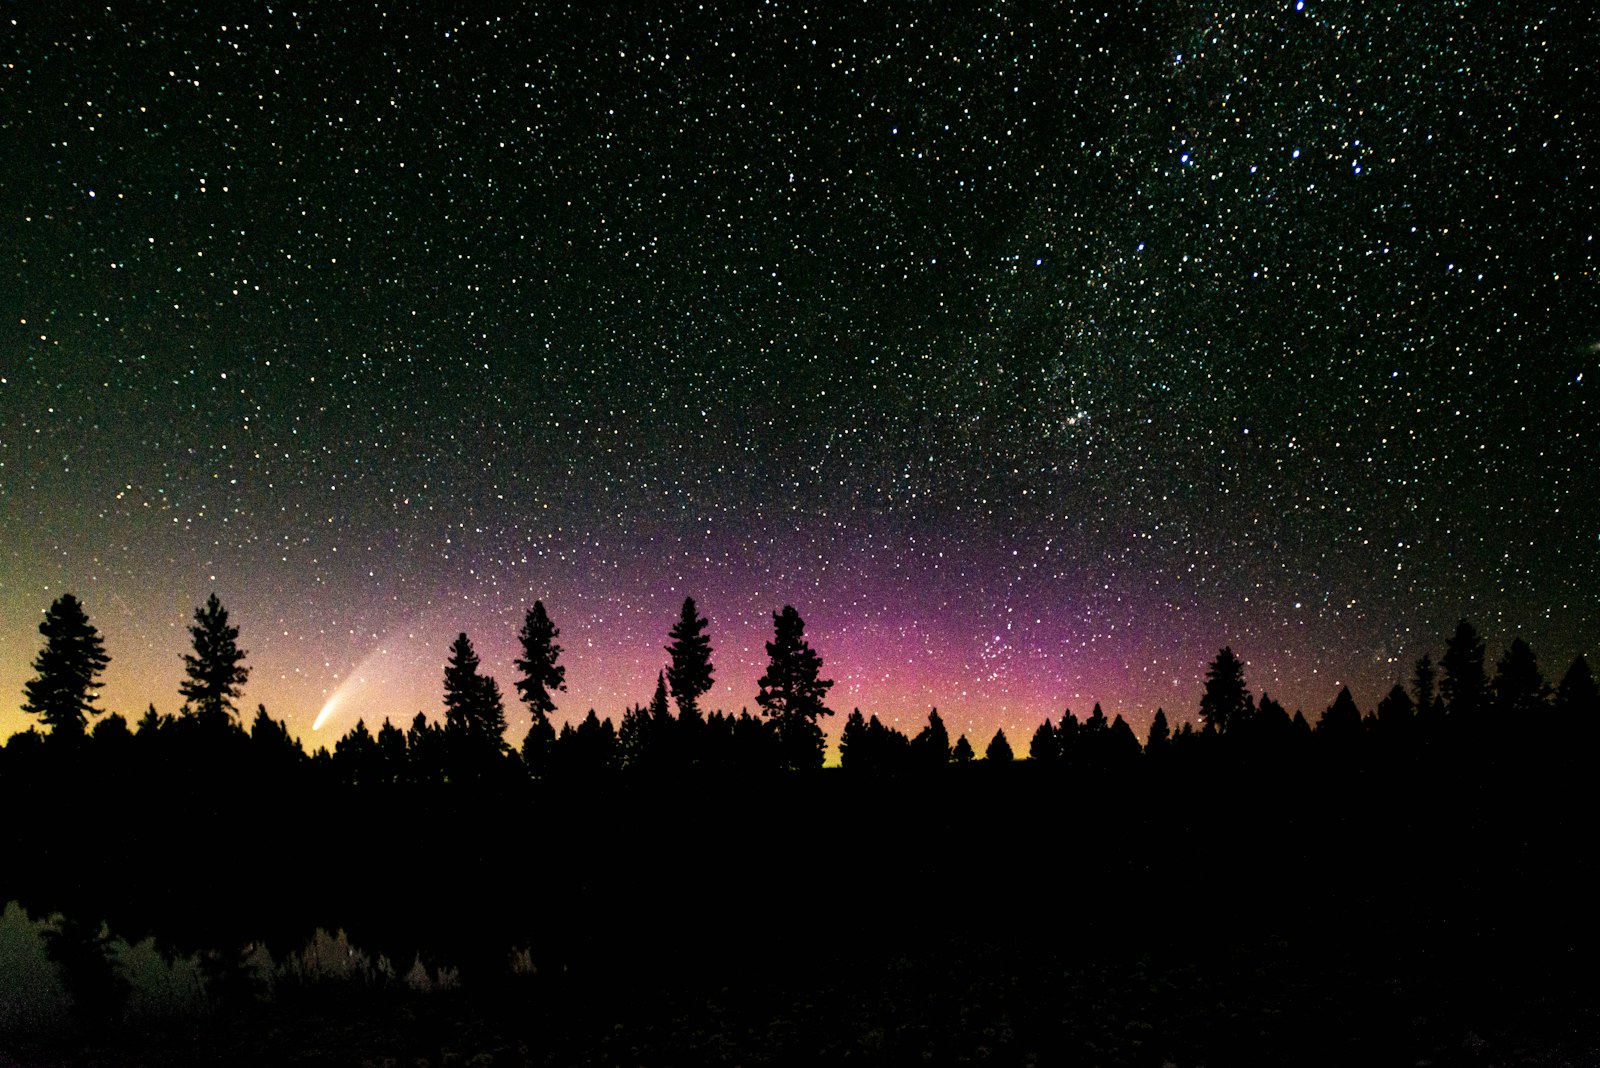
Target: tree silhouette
1340,725
391,760
931,746
112,735
792,691
1464,686
1045,745
999,750
1519,688
690,671
1122,746
660,711
589,749
1424,684
1395,715
271,743
1159,740
356,757
1578,698
541,677
425,751
1224,700
649,738
853,743
636,738
474,713
962,753
1068,730
62,694
215,670
1577,711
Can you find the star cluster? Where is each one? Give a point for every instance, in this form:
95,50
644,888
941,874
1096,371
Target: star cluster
1032,351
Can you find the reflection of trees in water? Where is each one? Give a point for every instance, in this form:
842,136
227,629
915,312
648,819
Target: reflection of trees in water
85,958
104,978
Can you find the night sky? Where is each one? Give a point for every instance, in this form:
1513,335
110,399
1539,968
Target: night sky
1033,352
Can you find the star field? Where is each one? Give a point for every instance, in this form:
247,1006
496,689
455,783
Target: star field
1033,352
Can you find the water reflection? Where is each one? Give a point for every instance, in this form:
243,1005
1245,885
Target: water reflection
58,969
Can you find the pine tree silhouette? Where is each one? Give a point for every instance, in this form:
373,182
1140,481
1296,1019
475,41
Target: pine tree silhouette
541,678
1122,747
999,750
962,753
1159,741
1045,746
930,748
474,716
1340,730
1464,686
853,742
1576,714
215,671
690,673
1224,700
792,691
1424,684
1520,693
62,694
1395,717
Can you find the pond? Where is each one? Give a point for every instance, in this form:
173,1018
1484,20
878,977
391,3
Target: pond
57,970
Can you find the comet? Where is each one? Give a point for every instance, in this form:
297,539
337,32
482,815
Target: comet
385,677
327,709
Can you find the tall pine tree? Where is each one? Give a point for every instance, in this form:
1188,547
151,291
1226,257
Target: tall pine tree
1223,704
1465,686
473,710
689,674
62,694
214,673
541,678
792,691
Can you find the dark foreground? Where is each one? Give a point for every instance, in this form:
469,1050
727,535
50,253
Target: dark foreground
988,915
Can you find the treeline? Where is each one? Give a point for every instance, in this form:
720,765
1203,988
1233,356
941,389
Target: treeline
681,846
1452,704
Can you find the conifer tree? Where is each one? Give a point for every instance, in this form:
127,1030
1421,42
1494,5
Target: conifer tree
1577,712
1045,746
541,677
1067,732
792,691
391,752
473,708
962,753
690,673
931,746
1424,684
62,694
1122,748
999,750
853,742
1465,687
1340,724
1395,713
1159,740
215,671
1578,698
1224,700
271,742
660,711
1519,686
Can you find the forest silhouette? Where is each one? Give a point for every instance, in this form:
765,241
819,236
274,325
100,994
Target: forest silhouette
1441,835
